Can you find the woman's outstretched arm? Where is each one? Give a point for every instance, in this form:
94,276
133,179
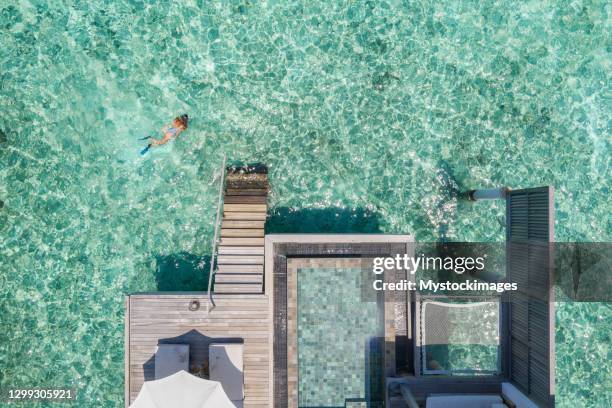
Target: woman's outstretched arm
163,141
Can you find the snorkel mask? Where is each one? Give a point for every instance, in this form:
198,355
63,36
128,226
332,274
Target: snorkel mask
185,118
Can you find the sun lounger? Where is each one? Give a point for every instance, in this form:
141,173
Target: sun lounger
226,366
170,359
511,393
463,401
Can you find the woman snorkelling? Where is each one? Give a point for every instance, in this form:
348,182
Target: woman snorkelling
171,131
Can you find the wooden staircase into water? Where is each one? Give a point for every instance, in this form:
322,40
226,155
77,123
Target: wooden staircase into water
240,256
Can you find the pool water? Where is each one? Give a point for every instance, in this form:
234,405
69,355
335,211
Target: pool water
339,340
460,338
370,115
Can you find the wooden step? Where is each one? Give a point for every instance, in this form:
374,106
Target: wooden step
241,174
242,241
246,192
256,278
243,224
240,260
238,288
241,250
230,215
242,232
240,185
239,269
243,184
253,208
245,199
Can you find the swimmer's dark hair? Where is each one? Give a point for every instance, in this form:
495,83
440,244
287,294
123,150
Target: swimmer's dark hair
184,119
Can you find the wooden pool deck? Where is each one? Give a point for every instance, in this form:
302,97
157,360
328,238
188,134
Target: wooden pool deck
158,318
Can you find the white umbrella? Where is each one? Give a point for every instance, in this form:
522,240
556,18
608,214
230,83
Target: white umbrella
182,390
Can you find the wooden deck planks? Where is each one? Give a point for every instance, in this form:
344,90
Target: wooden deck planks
241,250
241,259
237,287
241,215
156,318
243,224
241,268
245,199
242,241
253,208
246,192
242,235
242,312
239,277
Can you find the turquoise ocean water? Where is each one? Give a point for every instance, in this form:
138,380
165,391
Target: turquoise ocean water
370,115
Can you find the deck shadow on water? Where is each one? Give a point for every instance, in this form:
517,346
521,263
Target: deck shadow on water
323,220
198,352
182,271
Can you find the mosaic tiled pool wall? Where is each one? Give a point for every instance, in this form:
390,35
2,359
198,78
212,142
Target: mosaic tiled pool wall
340,343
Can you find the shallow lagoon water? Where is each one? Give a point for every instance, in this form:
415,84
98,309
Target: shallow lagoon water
370,115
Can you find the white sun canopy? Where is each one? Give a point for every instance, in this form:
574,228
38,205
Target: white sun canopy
182,390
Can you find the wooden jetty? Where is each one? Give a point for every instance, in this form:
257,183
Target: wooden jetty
239,310
158,318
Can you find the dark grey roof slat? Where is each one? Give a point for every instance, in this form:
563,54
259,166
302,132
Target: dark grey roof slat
529,217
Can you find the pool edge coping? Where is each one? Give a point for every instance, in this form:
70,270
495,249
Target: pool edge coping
271,240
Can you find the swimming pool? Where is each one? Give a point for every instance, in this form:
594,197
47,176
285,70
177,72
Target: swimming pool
340,338
369,115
